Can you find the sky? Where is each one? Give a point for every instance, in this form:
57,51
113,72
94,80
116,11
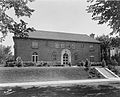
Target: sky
68,16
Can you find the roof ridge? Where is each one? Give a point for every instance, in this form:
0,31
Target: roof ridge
62,32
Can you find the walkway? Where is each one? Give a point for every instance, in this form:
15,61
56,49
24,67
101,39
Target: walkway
59,83
106,72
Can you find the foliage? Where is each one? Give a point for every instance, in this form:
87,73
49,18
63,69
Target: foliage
106,11
103,63
105,41
87,65
82,63
113,69
115,41
28,64
114,62
8,24
117,58
96,63
93,73
105,45
19,62
5,53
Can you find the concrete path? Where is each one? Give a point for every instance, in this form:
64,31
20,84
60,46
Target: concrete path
106,72
59,83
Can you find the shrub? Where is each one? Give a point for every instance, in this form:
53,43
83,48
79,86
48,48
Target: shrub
69,64
113,69
19,62
80,63
9,64
39,65
45,64
94,73
96,63
87,65
28,64
103,63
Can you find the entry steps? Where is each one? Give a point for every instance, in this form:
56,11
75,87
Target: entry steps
106,72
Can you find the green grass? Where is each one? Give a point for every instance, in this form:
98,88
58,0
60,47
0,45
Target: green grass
37,74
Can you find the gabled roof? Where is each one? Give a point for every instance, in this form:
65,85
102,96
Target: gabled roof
62,36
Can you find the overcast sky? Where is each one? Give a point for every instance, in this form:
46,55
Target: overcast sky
63,16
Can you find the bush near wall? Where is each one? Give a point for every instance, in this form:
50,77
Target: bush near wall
28,64
10,64
48,63
93,73
96,63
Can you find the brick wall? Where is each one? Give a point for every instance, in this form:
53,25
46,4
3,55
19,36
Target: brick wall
46,49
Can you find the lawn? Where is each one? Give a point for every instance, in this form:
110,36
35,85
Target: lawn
38,74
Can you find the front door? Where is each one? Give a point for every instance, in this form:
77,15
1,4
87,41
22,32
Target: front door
65,59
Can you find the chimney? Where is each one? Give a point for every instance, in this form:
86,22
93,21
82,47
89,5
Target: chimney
92,35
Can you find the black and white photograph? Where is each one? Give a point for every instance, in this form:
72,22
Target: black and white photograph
59,48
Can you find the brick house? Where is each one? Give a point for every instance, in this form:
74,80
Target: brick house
57,48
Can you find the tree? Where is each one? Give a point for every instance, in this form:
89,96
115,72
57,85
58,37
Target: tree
105,46
8,24
115,41
106,11
5,53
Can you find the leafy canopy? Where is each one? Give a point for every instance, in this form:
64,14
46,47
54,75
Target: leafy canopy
106,11
8,24
105,45
5,53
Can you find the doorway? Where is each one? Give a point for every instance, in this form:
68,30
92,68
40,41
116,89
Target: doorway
65,57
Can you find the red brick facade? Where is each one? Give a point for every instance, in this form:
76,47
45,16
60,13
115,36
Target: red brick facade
50,51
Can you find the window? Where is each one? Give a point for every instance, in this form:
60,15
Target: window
34,44
65,59
56,45
82,45
62,45
46,43
91,48
92,58
54,56
34,57
76,56
68,45
73,46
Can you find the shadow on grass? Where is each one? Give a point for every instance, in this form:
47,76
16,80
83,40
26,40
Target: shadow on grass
68,91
